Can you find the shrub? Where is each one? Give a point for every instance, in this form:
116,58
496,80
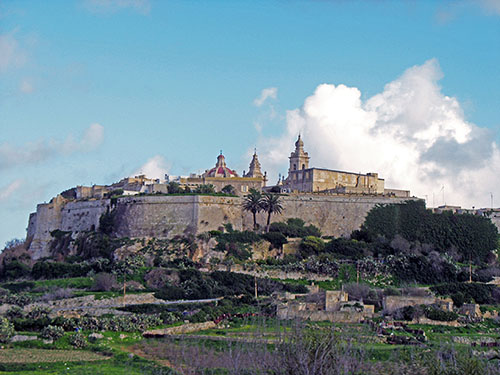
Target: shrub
51,332
6,330
158,277
346,248
295,227
19,286
107,222
59,293
39,312
14,312
15,270
439,315
276,239
473,292
104,282
311,245
473,236
78,340
55,270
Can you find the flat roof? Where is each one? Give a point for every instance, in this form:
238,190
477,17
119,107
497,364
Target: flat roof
333,170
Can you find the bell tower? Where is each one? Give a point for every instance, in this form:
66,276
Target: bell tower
299,159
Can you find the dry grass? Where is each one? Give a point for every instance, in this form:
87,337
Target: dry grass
45,355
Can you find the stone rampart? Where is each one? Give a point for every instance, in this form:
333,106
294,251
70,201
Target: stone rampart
166,216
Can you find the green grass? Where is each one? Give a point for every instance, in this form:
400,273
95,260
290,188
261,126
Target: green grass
72,282
119,365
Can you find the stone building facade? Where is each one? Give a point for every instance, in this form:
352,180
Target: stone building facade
302,178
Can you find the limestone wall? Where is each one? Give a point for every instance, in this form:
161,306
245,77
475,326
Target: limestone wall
77,216
156,216
169,216
392,303
48,218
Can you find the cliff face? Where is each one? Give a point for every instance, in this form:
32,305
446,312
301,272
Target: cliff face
169,216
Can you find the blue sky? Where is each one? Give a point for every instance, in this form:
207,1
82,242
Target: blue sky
92,90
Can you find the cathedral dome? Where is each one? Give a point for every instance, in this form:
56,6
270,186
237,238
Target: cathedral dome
220,169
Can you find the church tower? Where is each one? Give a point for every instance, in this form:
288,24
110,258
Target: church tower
298,159
254,169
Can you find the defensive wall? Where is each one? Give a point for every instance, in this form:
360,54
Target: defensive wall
166,216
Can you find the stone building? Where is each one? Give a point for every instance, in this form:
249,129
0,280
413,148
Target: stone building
221,175
304,179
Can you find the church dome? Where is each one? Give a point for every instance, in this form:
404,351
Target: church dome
220,169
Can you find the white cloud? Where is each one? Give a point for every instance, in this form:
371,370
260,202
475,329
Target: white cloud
111,6
155,167
11,55
412,134
35,152
26,87
7,191
268,93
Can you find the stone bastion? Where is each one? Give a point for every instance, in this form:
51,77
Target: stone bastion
165,216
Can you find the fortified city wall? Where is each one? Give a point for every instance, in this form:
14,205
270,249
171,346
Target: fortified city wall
168,216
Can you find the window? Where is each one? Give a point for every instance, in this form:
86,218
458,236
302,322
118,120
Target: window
295,167
303,166
244,188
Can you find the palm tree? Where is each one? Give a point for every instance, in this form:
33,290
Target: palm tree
272,205
253,203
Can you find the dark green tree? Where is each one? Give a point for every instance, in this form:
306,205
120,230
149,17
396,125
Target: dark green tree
272,205
174,188
253,203
229,189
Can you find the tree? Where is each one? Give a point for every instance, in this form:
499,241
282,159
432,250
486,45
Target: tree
228,189
174,188
205,189
253,203
272,205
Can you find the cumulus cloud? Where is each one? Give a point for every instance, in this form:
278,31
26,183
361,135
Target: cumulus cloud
412,134
11,55
267,93
155,167
111,6
35,152
7,191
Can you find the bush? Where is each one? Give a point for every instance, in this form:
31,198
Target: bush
56,270
107,222
19,286
39,312
347,248
15,270
59,293
104,282
472,292
311,245
6,330
276,239
78,340
52,332
295,228
473,236
14,312
439,315
158,277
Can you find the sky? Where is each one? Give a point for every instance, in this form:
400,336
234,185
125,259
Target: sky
92,91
